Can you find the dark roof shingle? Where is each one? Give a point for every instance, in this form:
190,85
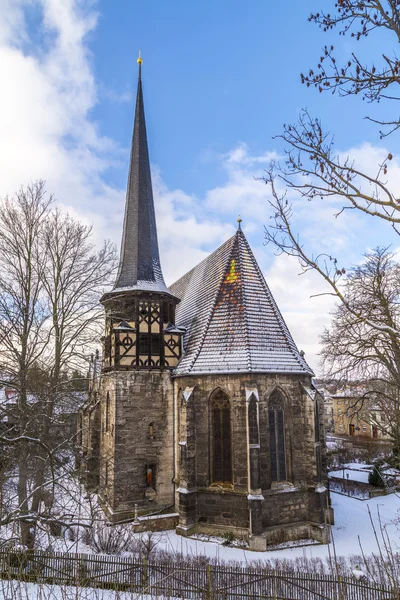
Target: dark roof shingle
232,321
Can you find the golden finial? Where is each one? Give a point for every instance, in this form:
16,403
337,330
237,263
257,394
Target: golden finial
239,220
139,60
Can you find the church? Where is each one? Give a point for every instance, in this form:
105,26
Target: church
201,407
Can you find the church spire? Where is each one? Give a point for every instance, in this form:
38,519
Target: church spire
139,267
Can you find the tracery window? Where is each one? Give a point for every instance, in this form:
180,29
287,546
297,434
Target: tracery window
316,421
253,424
108,411
318,456
277,438
221,438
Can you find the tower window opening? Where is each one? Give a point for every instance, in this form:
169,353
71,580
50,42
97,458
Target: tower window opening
150,342
151,430
108,412
150,477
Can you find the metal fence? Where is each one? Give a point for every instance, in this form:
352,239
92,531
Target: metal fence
172,579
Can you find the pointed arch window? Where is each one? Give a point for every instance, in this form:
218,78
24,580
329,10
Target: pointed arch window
221,438
276,422
318,456
108,412
253,421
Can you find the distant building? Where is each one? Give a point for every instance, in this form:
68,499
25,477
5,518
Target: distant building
357,416
328,406
204,405
8,404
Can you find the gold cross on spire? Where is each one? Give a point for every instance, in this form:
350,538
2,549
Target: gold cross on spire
139,60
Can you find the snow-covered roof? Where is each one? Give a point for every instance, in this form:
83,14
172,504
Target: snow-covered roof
311,391
232,321
70,402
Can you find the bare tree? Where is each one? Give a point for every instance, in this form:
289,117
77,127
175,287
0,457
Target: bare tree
74,279
355,351
313,169
51,279
23,313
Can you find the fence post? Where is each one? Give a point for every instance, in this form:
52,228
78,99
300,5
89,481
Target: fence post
208,582
341,597
144,575
274,586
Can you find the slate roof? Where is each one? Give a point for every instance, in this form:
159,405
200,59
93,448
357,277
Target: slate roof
232,321
139,267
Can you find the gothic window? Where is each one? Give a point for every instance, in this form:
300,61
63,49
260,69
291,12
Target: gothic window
106,477
80,427
107,347
318,456
108,411
253,425
316,419
221,438
277,439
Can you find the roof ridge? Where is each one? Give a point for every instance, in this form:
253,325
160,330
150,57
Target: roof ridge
201,262
243,294
212,307
277,312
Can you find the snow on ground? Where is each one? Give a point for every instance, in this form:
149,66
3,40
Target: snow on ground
352,523
349,474
332,445
18,590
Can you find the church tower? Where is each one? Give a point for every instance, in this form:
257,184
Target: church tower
140,346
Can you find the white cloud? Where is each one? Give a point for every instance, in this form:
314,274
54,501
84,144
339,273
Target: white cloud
304,301
45,129
244,192
184,238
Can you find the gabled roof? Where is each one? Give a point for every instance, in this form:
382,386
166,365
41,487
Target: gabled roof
139,267
232,321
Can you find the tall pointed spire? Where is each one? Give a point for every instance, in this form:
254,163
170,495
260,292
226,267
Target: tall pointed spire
139,266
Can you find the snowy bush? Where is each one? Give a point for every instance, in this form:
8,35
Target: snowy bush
375,478
104,538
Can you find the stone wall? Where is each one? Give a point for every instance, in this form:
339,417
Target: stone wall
301,498
136,400
222,507
155,523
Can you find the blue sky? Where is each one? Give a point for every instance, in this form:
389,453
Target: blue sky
213,76
219,79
